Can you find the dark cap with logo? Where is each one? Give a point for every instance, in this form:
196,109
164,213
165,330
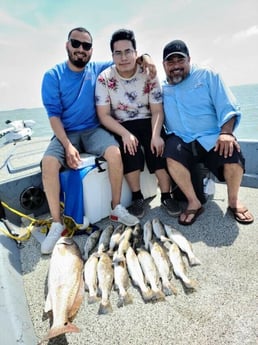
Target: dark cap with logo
175,47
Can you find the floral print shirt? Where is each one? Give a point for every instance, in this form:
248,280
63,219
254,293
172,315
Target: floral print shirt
129,99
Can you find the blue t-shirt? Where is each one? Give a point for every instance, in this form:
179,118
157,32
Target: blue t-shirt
71,95
197,107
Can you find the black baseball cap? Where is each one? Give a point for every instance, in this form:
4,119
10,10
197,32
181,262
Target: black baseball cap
175,47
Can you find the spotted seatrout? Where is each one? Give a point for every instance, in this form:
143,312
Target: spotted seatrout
151,273
65,286
176,237
147,233
163,265
176,259
137,236
90,243
115,237
104,240
124,244
158,228
90,277
121,279
105,278
136,275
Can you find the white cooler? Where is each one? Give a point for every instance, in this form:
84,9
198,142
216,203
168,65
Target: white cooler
97,190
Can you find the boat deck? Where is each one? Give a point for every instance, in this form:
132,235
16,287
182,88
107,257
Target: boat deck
223,310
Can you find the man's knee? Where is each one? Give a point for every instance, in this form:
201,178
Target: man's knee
113,154
232,169
50,165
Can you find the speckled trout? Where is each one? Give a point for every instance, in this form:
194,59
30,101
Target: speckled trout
90,277
179,239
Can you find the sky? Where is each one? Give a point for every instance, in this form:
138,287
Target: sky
220,33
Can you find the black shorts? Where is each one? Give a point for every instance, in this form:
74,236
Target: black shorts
191,153
142,130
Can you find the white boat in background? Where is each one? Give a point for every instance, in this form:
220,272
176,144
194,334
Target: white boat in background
22,191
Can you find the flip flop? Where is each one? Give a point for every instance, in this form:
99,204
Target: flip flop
196,214
243,210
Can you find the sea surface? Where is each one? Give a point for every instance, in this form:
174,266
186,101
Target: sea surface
246,95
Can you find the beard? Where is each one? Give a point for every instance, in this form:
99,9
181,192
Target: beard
176,78
80,62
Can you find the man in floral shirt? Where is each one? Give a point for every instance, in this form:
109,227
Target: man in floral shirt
129,103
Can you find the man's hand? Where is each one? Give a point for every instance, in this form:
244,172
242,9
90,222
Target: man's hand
72,156
130,143
157,146
225,145
148,65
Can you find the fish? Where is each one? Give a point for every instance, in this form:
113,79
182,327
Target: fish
65,287
115,237
90,278
124,243
105,274
176,237
176,259
158,228
151,273
104,239
136,275
90,243
121,279
147,233
163,265
137,236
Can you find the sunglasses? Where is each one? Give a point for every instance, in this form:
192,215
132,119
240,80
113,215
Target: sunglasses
76,44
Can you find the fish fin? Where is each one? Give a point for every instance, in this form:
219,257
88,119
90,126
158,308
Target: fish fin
55,331
105,308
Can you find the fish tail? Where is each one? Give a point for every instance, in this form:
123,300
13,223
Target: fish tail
124,300
191,284
105,308
158,296
119,258
92,299
194,261
55,331
148,295
169,289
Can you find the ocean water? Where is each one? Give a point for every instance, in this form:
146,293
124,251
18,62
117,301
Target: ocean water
246,95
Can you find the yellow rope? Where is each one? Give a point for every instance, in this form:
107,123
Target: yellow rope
34,222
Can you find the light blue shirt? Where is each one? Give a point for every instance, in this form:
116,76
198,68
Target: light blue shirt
197,107
71,95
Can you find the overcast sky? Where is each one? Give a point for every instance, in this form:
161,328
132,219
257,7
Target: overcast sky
220,33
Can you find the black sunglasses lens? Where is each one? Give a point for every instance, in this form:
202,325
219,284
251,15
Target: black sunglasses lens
86,45
77,44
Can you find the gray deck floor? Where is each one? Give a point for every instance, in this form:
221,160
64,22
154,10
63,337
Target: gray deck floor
223,310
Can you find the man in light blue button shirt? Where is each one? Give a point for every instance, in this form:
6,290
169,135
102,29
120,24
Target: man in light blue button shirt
200,117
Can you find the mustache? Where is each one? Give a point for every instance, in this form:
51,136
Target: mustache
176,70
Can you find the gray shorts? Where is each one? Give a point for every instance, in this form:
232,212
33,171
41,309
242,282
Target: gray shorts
93,141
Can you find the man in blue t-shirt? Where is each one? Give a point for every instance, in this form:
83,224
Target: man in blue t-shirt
68,96
200,117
